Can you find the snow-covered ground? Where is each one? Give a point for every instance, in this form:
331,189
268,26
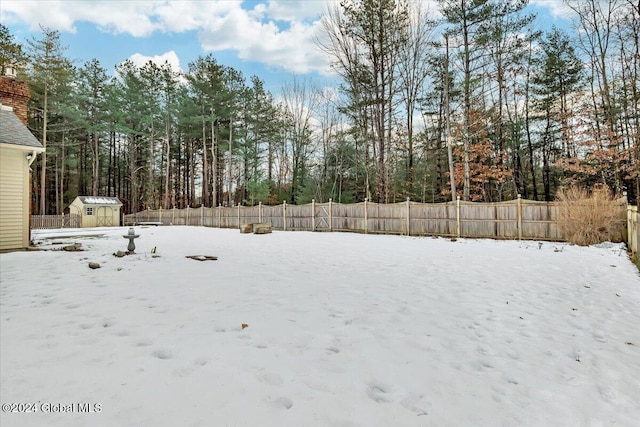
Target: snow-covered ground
343,330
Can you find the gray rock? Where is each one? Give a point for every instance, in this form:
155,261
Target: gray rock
262,228
246,228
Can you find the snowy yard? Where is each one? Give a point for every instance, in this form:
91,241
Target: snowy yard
343,330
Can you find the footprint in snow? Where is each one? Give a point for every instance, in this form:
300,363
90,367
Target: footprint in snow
599,336
271,378
417,403
183,372
162,354
378,393
201,361
283,403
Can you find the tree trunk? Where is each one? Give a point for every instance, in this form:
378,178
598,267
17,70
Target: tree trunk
230,162
43,171
528,127
205,166
214,166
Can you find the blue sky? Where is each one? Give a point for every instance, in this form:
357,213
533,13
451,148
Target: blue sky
272,39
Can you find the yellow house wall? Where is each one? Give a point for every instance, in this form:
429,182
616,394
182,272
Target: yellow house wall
89,220
14,199
76,207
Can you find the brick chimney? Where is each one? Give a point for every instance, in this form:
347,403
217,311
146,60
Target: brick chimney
15,93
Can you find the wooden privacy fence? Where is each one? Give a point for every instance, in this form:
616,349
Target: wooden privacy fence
56,221
633,233
515,219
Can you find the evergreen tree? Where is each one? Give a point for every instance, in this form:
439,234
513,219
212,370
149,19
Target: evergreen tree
469,21
559,76
11,53
92,80
49,75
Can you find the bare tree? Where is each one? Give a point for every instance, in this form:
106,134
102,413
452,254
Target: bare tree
413,73
363,38
300,100
596,20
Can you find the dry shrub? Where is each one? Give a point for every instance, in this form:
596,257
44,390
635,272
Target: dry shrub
591,216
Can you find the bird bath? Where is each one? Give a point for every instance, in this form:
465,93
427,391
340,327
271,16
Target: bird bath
131,236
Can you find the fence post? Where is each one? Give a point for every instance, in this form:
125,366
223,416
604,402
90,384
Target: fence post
201,215
62,226
259,211
458,216
629,235
519,209
313,214
186,222
408,216
148,214
220,215
284,215
632,229
239,216
330,215
366,216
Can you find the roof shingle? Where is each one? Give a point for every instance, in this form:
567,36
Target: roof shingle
13,132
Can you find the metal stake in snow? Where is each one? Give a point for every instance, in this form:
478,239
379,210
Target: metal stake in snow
131,236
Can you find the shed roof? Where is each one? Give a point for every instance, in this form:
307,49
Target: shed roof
14,132
95,200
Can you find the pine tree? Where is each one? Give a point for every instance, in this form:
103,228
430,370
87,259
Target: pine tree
559,76
49,74
11,53
469,21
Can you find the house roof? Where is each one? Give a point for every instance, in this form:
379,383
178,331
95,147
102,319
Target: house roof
95,200
14,132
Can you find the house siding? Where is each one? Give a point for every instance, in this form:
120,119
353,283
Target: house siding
14,199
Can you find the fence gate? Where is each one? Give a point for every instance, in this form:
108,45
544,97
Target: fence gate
104,216
71,221
321,222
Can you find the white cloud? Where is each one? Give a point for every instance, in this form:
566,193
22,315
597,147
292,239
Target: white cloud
286,10
34,14
113,16
170,57
276,32
178,16
292,48
557,8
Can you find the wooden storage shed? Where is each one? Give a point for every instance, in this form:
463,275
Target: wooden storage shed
97,211
18,150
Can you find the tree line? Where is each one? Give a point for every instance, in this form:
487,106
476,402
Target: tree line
472,101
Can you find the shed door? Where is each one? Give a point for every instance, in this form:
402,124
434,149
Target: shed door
104,216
